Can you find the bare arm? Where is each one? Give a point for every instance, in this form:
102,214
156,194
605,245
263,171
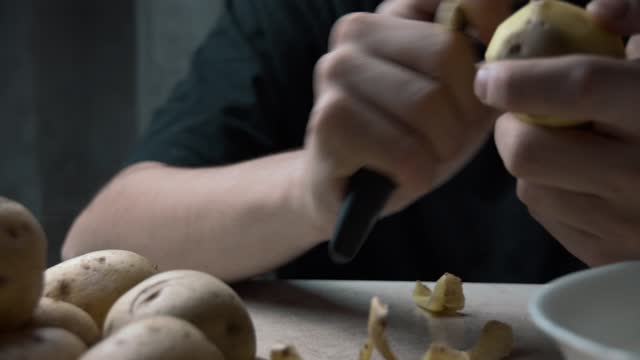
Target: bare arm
234,222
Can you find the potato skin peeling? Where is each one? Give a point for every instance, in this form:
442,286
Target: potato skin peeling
547,28
444,352
495,343
284,352
366,351
377,325
446,298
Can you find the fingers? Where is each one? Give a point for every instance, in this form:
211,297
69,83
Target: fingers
446,55
590,227
569,159
422,10
584,245
348,135
575,87
584,211
421,104
619,16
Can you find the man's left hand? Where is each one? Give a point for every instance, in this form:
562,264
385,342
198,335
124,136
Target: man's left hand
582,185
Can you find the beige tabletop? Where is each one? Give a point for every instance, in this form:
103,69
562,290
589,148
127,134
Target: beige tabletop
327,319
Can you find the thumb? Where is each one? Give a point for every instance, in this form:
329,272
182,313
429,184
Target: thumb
633,48
619,16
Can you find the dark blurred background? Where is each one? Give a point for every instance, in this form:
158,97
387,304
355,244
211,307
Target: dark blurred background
79,81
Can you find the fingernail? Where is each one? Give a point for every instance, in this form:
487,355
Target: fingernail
612,9
481,83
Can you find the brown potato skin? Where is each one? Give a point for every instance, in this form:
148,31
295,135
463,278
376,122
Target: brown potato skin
23,248
94,281
60,314
41,344
208,303
157,338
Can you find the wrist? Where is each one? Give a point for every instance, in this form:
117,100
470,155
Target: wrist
299,196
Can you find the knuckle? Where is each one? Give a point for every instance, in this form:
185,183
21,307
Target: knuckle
583,80
409,167
519,156
326,115
423,94
349,27
334,65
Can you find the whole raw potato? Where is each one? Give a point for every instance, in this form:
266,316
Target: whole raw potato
208,303
41,344
94,281
157,338
60,314
23,248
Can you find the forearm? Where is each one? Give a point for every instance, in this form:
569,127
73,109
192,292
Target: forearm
234,222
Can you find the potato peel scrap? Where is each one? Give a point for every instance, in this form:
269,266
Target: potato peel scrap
444,352
447,295
495,343
366,351
378,313
284,352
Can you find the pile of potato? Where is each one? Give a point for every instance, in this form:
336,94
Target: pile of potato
110,304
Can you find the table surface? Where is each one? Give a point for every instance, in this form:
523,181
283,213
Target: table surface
327,319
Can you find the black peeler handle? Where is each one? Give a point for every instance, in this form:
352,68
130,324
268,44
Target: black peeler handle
367,194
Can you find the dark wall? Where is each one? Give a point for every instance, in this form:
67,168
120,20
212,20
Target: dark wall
18,126
168,31
68,103
78,81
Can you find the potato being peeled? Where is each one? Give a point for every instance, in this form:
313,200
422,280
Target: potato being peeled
547,28
157,338
94,281
60,314
197,297
41,344
23,248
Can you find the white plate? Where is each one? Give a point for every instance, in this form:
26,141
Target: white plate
593,314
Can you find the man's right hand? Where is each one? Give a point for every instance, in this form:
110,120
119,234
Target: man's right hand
394,94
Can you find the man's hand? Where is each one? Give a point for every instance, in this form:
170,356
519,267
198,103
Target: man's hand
581,185
394,94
